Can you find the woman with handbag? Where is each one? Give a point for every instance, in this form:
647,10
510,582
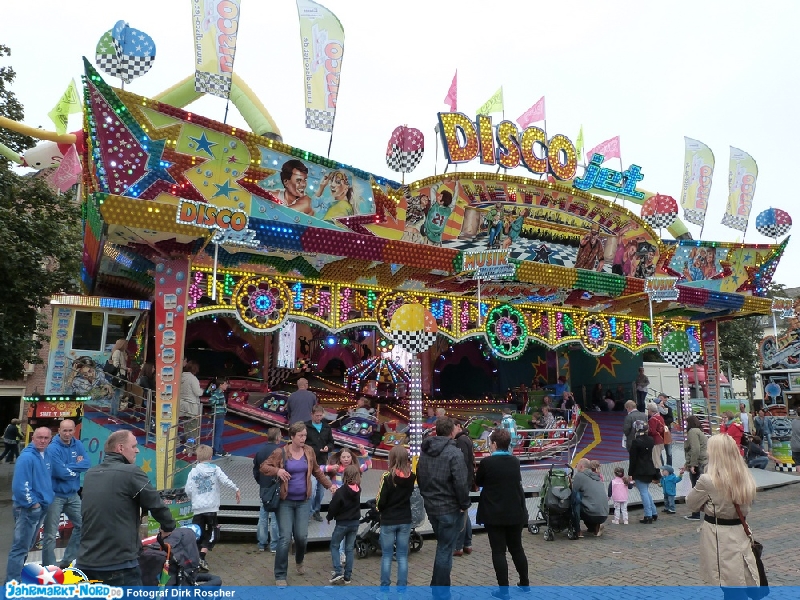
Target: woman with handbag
725,493
656,428
642,470
294,464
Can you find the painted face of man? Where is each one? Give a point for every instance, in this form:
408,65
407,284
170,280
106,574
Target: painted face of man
296,184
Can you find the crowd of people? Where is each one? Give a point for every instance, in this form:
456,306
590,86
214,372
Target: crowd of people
105,539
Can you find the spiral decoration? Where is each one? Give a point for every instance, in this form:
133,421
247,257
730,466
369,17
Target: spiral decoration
261,303
506,331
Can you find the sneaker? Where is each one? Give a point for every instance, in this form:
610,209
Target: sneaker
260,549
280,582
203,565
615,522
670,512
336,579
467,549
599,531
624,522
316,516
347,581
301,570
458,553
691,517
273,551
655,518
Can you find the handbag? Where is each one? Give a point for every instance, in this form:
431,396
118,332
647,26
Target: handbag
667,436
110,368
757,548
271,493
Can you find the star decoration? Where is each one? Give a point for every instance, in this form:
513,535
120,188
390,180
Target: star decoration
232,160
542,254
608,362
539,368
146,466
225,189
749,284
204,144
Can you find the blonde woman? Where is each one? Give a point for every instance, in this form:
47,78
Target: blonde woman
119,358
394,504
726,558
341,192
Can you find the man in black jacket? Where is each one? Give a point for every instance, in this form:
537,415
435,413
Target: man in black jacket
267,532
320,438
442,477
464,443
115,493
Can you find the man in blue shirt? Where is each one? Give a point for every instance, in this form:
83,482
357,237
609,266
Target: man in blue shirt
31,494
68,461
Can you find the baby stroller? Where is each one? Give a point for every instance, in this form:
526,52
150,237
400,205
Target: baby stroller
368,539
555,505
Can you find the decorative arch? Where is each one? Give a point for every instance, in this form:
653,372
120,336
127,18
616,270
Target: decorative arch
473,351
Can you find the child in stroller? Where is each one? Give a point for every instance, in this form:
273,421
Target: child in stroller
368,540
555,505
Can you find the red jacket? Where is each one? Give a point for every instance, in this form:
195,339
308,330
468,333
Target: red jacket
655,429
736,431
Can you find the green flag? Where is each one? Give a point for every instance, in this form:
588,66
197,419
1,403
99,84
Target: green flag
493,104
579,144
69,103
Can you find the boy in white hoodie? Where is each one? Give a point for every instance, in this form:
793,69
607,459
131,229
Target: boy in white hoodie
202,487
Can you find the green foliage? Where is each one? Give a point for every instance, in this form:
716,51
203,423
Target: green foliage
11,108
40,246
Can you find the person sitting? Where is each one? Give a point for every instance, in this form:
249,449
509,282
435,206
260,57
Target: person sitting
184,562
548,419
757,458
362,409
431,418
589,499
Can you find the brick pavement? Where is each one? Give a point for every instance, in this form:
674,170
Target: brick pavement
664,554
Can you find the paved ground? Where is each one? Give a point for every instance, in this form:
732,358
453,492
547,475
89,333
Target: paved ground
662,554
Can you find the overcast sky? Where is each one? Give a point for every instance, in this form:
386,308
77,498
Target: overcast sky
722,72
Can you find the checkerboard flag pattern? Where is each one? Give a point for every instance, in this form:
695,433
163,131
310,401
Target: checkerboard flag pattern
681,359
773,222
405,149
212,83
321,120
414,341
125,52
660,221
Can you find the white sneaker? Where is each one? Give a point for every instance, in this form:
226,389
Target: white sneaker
336,579
615,522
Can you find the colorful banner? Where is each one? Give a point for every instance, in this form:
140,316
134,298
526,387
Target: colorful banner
493,104
742,175
710,340
579,145
609,149
534,114
322,40
215,25
452,94
59,364
172,283
698,169
69,103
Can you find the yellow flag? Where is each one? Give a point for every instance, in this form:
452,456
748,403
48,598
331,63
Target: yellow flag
579,145
69,103
493,104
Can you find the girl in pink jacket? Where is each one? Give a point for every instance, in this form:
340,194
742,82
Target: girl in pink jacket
618,492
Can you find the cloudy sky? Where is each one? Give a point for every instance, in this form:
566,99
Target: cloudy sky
722,72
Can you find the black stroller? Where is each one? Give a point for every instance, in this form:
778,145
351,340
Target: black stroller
555,505
368,539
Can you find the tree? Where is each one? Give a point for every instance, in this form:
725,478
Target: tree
738,346
40,247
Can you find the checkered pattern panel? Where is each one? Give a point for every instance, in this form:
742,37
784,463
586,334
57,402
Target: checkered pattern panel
107,63
785,468
660,221
414,341
697,217
775,230
321,120
734,222
132,67
524,249
680,359
403,162
212,83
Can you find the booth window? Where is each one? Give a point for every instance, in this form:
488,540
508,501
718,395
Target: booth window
118,327
88,332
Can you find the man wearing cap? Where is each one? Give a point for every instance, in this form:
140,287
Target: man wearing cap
115,493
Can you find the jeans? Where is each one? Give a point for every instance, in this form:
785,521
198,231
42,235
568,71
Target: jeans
394,536
267,532
647,499
115,401
641,396
72,508
219,428
207,580
345,531
669,502
118,577
758,462
768,440
693,477
26,527
446,528
464,539
502,537
292,520
316,496
11,451
668,452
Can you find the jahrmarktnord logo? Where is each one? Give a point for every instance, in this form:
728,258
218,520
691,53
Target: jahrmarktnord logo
37,581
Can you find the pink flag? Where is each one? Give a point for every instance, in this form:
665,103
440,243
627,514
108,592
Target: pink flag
533,114
609,149
452,94
68,171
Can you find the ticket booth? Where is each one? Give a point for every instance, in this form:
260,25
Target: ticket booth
49,410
